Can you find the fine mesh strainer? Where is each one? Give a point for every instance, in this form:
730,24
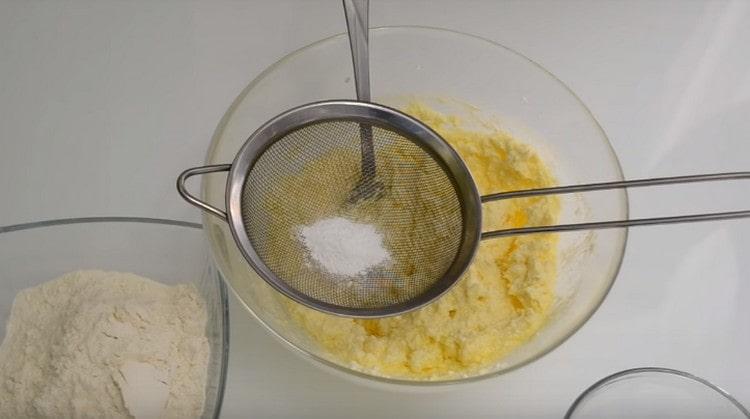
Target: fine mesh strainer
303,165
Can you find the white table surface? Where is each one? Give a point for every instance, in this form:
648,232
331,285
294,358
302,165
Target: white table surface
103,103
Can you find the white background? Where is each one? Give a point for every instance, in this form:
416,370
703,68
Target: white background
103,103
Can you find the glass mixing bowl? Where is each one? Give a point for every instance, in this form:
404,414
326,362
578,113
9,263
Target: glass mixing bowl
166,251
655,392
459,74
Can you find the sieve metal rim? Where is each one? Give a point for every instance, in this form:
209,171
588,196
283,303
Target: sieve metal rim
373,114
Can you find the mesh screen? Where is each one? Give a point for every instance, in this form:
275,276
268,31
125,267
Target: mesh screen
315,173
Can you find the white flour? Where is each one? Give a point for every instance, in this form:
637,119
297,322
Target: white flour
343,247
95,344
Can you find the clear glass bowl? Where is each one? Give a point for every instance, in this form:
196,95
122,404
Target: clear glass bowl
654,392
167,251
447,69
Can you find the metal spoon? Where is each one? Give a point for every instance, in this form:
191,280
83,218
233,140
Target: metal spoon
357,25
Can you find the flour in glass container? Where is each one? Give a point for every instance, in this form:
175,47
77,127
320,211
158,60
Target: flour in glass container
343,247
95,344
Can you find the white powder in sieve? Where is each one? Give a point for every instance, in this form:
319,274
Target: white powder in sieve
343,247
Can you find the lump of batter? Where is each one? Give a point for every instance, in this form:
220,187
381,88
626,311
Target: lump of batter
499,303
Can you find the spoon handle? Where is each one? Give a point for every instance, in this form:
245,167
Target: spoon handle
357,23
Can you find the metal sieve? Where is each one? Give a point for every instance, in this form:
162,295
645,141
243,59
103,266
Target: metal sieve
303,165
413,165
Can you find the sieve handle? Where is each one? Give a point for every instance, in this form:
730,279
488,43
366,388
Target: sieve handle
729,215
184,176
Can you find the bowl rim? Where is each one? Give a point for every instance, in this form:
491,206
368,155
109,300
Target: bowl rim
612,378
318,360
223,294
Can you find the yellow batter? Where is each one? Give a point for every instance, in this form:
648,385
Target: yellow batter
502,300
